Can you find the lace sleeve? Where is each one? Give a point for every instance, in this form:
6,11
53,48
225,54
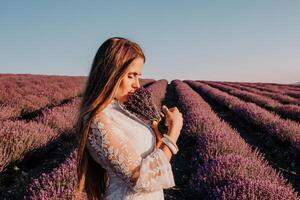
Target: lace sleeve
109,146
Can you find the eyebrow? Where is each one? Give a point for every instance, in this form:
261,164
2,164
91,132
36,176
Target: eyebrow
134,73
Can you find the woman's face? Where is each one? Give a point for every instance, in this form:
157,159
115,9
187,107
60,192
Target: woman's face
130,82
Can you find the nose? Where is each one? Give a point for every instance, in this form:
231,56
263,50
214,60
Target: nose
136,83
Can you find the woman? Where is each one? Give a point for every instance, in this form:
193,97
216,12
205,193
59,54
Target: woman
119,156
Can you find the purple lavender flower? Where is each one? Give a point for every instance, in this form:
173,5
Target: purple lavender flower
142,105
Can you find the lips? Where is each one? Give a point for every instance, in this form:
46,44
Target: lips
130,93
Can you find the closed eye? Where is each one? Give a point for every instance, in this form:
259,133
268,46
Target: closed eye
134,74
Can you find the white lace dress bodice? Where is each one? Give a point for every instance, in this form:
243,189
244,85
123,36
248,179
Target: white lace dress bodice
125,146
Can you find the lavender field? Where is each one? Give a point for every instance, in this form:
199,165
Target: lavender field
239,140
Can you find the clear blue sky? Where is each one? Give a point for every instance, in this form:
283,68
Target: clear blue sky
257,41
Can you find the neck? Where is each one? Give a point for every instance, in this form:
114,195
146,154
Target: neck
117,101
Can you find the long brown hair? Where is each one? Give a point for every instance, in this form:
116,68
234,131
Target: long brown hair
108,68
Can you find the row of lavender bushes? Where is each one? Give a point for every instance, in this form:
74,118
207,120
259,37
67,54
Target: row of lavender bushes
284,129
23,94
61,182
285,110
290,87
278,89
58,184
286,90
158,89
225,166
146,81
20,137
58,121
285,99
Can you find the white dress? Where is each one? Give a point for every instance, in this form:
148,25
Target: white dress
124,145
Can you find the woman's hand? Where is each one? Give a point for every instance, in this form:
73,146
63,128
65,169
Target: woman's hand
174,121
157,133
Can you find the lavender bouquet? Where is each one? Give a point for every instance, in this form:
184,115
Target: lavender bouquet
142,105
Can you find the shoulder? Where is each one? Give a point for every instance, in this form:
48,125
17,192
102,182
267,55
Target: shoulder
104,120
100,118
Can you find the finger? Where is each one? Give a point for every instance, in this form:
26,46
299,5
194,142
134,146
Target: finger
154,123
164,107
173,108
161,113
166,123
165,110
155,128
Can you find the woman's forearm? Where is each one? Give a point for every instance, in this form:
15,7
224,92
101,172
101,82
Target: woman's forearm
165,148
